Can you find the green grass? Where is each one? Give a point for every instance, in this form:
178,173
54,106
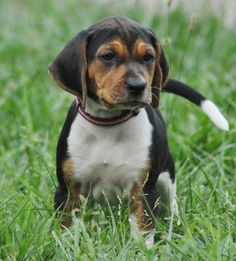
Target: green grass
32,111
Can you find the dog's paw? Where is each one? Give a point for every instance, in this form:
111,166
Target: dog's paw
149,240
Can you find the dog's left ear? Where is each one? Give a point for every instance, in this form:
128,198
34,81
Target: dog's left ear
69,68
160,75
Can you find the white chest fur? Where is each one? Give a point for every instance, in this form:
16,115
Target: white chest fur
108,160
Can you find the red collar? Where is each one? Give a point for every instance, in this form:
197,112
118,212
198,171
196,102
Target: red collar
125,116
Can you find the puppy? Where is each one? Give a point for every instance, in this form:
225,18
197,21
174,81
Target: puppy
113,144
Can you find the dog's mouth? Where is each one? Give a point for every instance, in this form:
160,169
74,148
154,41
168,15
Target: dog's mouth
128,105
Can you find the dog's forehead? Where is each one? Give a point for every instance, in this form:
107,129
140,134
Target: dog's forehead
117,23
126,30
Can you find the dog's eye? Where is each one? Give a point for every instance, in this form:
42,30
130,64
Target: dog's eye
109,57
148,57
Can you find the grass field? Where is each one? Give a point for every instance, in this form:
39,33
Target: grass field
32,111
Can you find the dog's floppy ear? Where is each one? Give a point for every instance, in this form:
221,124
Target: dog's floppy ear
69,68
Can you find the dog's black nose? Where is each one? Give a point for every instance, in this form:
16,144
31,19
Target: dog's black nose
136,86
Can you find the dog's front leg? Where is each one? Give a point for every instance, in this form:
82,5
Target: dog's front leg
66,201
140,222
72,203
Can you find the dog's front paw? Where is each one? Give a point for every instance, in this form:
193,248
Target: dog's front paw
137,234
149,240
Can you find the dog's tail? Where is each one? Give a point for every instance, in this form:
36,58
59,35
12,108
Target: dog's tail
208,107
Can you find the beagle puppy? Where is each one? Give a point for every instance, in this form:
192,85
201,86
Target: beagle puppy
113,144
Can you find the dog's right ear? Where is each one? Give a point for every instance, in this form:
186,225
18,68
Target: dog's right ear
69,68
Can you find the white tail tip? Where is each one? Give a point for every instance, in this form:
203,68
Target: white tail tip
215,115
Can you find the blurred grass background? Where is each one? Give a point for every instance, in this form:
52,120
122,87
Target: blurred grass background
32,111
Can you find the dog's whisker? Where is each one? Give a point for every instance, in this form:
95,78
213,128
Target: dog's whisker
116,101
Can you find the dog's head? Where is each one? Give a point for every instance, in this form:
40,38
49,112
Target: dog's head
116,61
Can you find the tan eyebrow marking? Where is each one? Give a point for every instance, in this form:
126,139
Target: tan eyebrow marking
141,48
116,45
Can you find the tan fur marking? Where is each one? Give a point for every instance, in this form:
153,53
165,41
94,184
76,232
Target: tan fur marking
142,48
144,222
73,192
108,83
67,169
116,46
